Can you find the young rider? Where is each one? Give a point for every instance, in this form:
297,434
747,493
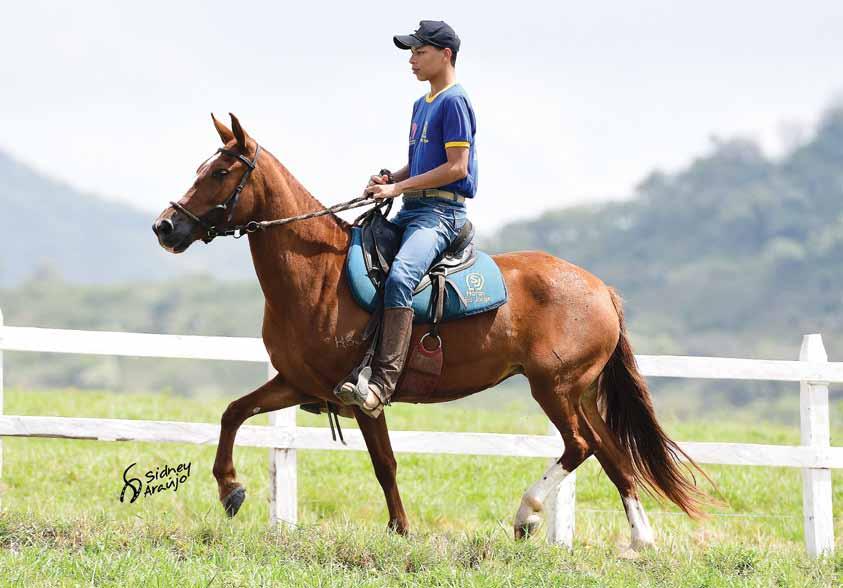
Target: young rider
440,175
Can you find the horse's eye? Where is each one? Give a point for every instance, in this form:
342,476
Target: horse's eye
218,173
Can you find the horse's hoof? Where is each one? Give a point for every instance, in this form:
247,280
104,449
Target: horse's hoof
399,527
234,501
528,527
627,552
642,545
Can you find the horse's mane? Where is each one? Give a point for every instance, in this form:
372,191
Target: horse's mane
297,185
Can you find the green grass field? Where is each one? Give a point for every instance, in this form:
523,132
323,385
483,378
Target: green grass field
63,525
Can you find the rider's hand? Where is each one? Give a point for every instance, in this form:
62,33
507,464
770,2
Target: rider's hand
383,191
373,181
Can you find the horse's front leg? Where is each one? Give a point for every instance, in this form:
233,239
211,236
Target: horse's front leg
274,395
376,436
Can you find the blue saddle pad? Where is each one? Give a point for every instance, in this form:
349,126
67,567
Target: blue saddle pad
480,287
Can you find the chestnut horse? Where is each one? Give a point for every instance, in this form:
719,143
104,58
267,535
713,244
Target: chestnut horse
562,327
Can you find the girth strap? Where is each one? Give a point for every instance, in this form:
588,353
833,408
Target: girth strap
333,417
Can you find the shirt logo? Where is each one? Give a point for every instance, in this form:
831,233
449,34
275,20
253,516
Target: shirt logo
423,138
413,130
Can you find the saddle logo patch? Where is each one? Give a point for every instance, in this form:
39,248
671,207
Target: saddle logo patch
475,282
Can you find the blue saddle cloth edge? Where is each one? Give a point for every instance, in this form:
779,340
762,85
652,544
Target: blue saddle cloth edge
364,293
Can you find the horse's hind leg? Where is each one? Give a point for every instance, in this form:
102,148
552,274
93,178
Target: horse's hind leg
618,466
376,436
274,395
559,402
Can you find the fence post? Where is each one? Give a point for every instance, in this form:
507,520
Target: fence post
1,408
283,479
559,509
814,426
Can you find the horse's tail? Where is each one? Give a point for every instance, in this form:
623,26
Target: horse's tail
629,414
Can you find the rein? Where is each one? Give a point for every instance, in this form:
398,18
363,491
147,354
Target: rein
212,230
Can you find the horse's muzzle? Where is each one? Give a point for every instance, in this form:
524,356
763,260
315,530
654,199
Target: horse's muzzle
163,227
171,236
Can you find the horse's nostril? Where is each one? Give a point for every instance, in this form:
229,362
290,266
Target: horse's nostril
163,227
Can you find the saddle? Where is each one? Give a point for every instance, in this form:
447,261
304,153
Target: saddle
381,241
474,281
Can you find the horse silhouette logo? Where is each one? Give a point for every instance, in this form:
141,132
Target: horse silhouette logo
131,483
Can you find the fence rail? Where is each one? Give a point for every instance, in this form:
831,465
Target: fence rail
815,456
504,445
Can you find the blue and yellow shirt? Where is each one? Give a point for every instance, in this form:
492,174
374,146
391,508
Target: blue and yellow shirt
445,119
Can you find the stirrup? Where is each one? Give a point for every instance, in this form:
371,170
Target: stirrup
355,393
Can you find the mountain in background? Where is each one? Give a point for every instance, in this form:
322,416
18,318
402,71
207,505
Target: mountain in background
735,255
51,227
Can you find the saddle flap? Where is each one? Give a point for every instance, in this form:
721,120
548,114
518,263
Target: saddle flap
381,242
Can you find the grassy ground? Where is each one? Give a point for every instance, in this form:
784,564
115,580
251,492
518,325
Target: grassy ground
62,522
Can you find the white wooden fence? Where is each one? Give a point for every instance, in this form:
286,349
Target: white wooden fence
814,456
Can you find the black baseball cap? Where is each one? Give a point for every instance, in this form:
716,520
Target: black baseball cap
430,32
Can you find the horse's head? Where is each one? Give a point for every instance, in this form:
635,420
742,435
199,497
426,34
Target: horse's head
220,197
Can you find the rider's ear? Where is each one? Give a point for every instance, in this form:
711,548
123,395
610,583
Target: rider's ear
225,133
239,133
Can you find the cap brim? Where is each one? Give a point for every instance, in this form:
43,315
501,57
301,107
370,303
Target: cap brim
406,41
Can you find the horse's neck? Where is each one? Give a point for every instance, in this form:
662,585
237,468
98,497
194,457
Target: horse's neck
299,262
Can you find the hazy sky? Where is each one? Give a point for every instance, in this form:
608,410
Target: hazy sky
575,101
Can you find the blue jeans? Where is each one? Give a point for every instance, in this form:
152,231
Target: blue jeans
430,225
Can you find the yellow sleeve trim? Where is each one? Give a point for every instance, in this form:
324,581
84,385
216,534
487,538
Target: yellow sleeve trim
457,144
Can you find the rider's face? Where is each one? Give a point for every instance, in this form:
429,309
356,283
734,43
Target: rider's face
428,61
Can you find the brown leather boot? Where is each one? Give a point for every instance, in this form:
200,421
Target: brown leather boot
390,355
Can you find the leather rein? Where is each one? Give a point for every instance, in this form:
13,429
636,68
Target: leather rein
216,229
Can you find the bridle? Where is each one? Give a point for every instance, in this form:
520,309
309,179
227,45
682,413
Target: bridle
211,228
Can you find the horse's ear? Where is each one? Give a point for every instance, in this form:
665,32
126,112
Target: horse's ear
239,133
225,133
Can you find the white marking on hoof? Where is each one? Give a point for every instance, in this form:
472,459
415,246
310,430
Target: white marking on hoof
642,532
532,502
627,552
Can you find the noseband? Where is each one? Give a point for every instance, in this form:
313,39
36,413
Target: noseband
211,229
